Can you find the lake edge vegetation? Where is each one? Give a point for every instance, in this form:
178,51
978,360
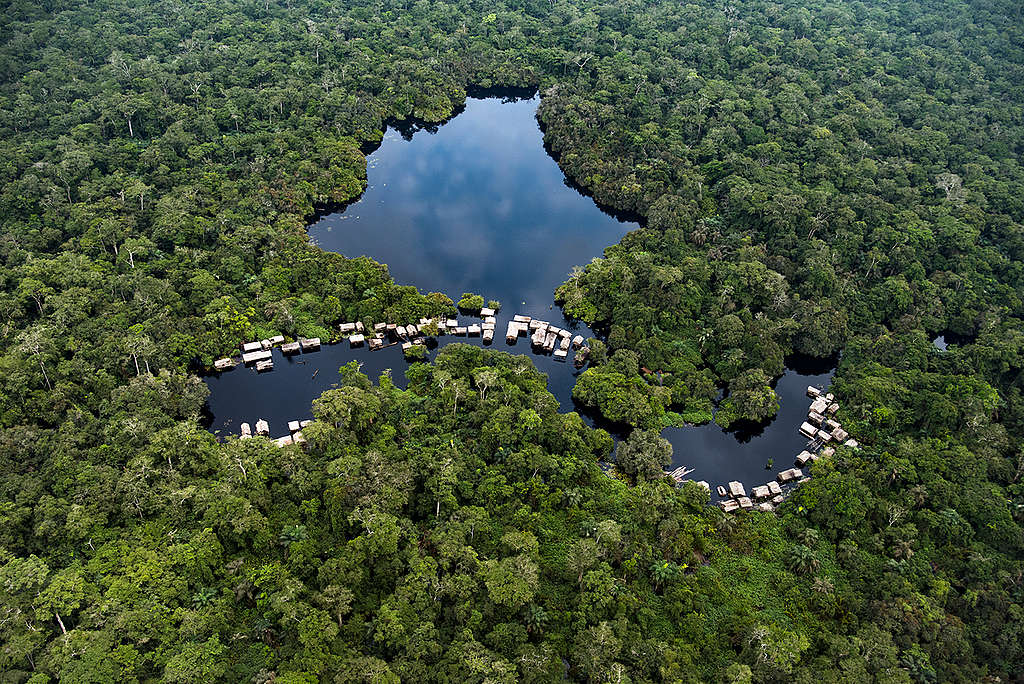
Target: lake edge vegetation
814,177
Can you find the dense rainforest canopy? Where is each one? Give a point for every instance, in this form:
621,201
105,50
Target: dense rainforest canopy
814,177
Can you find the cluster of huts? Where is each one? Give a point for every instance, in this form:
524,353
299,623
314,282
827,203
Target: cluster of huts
389,334
766,497
546,337
543,336
821,429
294,435
259,353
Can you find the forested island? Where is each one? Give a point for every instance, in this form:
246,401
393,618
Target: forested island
815,177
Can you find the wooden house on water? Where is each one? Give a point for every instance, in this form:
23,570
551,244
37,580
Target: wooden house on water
256,356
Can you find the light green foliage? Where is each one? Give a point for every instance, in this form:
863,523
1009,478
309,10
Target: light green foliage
470,302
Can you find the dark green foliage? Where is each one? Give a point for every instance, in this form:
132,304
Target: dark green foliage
813,177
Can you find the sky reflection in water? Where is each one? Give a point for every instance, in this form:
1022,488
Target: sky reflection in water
479,206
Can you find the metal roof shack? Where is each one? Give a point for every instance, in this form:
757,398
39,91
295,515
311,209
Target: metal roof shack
256,356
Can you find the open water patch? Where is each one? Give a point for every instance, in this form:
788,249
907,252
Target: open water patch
477,205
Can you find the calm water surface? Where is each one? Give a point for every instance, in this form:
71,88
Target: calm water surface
479,206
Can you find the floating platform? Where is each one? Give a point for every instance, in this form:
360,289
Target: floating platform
790,475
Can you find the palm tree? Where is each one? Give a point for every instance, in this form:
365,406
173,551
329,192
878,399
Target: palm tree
536,619
203,597
802,560
290,535
846,552
822,586
724,523
809,537
663,571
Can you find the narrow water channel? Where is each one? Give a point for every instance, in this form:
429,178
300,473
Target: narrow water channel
477,205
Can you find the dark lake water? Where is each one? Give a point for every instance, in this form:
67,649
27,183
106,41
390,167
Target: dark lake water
478,205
